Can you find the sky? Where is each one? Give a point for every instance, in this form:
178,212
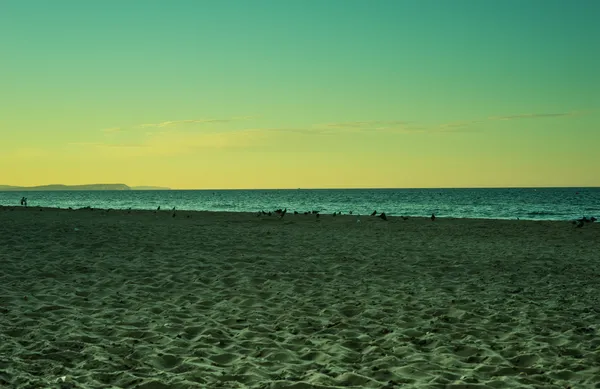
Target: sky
195,94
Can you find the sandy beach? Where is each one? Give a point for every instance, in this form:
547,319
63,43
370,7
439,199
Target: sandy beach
112,299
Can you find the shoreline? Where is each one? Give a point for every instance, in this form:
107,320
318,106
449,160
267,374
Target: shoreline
289,214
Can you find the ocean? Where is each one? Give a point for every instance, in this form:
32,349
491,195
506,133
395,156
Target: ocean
487,203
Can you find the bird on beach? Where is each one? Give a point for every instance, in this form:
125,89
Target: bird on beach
432,217
374,213
580,222
383,216
283,213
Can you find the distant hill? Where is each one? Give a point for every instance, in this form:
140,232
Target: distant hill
65,187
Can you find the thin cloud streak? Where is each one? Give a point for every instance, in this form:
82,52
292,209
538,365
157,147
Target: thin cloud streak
194,121
466,125
174,123
533,116
401,127
368,124
457,127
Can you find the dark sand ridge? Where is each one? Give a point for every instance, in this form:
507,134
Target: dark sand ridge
229,300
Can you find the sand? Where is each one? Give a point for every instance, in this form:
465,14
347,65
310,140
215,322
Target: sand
222,300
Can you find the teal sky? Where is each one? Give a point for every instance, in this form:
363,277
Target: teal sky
511,78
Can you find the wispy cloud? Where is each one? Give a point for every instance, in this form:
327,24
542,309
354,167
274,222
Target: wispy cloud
460,126
372,126
533,116
173,142
172,123
470,125
176,123
457,126
368,125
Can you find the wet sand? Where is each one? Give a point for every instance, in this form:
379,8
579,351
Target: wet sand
231,300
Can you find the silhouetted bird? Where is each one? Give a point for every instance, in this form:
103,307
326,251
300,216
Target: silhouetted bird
383,216
374,213
295,212
432,217
283,213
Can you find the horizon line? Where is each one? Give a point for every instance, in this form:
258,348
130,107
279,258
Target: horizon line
366,187
165,188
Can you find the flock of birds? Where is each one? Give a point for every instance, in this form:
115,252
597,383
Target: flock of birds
282,212
579,223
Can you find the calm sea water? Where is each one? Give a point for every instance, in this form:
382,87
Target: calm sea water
509,203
